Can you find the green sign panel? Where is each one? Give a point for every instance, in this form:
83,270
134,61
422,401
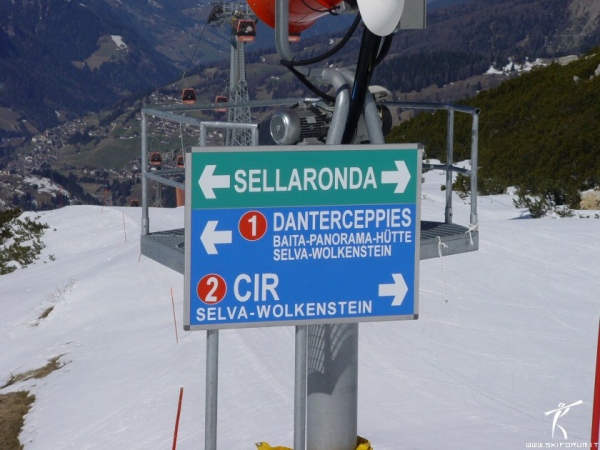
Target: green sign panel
322,176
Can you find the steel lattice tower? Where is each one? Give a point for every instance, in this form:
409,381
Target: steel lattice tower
238,93
232,14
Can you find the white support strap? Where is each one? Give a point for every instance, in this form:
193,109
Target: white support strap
441,245
470,231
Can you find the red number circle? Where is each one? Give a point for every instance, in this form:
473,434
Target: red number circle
253,225
211,289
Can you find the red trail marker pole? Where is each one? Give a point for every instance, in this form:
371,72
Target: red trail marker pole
596,406
174,316
177,419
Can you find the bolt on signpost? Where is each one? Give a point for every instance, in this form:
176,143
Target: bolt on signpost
301,236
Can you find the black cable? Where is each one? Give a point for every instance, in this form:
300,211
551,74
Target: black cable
314,9
291,64
370,47
369,57
329,52
311,86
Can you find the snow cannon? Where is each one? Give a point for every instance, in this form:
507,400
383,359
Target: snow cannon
381,17
303,13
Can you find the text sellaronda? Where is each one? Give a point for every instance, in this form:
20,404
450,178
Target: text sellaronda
307,179
386,227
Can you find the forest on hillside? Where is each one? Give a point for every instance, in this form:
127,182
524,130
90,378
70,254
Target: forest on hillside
43,73
538,132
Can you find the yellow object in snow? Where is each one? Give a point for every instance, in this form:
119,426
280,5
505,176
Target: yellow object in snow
362,444
266,446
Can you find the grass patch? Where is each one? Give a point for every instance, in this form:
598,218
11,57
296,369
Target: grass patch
42,372
59,295
13,407
46,312
108,51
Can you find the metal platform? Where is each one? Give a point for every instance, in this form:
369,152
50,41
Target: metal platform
168,247
445,239
437,238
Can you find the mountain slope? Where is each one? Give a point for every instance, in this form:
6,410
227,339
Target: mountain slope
59,58
516,337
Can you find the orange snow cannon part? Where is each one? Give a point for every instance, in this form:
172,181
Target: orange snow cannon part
303,13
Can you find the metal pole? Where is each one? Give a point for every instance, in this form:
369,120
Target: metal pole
202,140
342,105
596,403
300,389
449,162
372,121
370,113
282,43
212,382
332,387
332,378
144,162
474,164
229,133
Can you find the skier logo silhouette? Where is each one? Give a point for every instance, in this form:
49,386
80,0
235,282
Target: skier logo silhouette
559,412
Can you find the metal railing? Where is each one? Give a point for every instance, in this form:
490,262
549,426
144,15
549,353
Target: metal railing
164,176
449,166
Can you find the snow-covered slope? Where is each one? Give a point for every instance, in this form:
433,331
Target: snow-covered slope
516,337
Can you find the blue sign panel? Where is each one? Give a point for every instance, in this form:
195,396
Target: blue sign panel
303,264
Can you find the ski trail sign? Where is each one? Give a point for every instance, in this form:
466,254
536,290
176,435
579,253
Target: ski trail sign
301,235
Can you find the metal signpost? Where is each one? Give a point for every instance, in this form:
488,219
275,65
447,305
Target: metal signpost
301,235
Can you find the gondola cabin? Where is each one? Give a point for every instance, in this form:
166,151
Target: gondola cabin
188,96
155,159
221,99
245,30
179,162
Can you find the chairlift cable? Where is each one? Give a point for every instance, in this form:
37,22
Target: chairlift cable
195,50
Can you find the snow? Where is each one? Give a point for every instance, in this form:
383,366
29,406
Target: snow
45,185
118,40
513,67
516,337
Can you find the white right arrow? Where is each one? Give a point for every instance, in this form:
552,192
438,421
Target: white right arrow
210,236
209,181
397,289
400,177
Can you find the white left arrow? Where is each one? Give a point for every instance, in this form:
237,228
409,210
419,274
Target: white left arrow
208,181
397,289
210,237
400,177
